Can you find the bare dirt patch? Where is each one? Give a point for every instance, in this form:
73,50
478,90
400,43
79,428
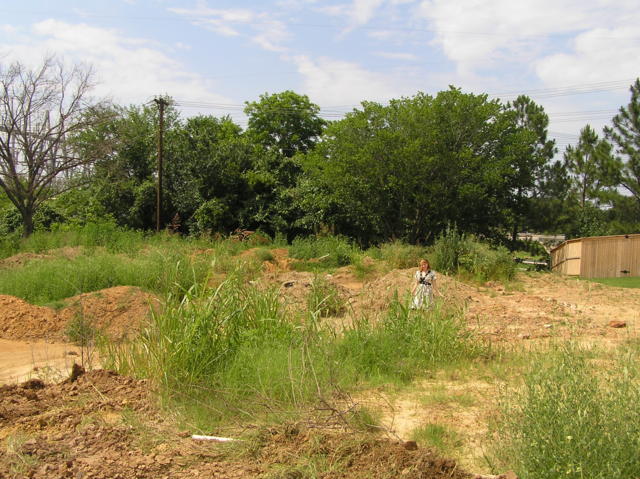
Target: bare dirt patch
107,426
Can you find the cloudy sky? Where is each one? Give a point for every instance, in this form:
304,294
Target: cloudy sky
575,57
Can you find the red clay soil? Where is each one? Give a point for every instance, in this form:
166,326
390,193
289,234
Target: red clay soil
106,426
116,311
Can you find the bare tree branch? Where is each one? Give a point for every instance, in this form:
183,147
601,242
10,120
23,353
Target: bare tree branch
40,110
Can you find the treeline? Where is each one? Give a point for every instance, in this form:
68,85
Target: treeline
404,170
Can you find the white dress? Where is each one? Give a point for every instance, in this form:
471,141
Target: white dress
423,296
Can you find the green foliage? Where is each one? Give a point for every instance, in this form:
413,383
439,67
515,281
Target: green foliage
573,420
80,330
441,437
285,122
592,166
407,169
324,298
331,250
625,135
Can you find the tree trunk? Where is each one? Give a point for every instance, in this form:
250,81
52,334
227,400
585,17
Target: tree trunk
27,221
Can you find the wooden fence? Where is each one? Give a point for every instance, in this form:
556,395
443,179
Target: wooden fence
598,256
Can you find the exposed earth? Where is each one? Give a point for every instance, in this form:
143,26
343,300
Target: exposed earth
104,425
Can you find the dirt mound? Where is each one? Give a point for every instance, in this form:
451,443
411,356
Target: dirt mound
20,259
116,311
19,319
376,295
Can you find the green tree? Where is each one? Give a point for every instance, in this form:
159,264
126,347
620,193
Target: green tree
408,169
207,163
625,135
285,122
592,166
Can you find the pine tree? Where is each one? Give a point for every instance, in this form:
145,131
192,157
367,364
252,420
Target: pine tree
625,135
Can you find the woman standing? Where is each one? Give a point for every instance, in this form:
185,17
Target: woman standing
424,286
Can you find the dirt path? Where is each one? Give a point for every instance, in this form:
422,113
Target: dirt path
21,360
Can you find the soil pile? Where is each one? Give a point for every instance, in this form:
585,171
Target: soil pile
106,426
116,311
20,259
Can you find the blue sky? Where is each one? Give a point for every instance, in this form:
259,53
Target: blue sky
577,58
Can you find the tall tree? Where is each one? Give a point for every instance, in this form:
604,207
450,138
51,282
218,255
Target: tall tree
592,167
40,110
285,122
625,135
530,161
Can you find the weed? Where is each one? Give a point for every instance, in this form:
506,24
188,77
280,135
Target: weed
20,461
264,254
570,420
325,299
398,254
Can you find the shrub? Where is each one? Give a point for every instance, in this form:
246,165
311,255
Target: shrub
398,254
455,252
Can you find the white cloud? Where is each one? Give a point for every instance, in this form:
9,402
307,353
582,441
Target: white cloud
484,34
358,12
398,56
335,82
129,70
598,55
265,30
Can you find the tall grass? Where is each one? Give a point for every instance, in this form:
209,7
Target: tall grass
334,251
406,342
574,420
238,352
398,254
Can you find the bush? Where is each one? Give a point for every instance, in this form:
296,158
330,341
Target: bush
573,420
455,252
398,254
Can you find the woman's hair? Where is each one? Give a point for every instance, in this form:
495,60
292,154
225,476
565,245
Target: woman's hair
424,260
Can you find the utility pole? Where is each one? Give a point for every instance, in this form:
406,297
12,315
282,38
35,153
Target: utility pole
161,102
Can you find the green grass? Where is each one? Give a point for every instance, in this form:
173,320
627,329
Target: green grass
632,282
158,271
573,417
443,438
